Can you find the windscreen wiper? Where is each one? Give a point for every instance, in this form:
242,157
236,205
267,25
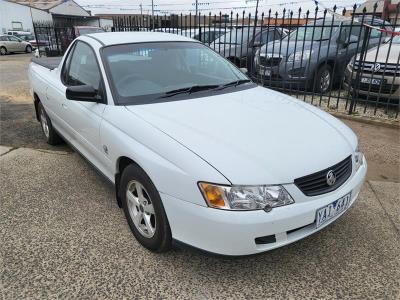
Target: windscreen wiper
189,90
234,83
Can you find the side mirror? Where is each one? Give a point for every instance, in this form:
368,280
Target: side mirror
244,71
352,40
82,93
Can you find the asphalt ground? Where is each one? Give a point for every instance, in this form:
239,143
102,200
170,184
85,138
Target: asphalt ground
62,234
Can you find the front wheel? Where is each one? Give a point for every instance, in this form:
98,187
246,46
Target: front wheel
144,210
28,49
323,79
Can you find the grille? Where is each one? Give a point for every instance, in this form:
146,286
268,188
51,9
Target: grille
315,184
270,62
369,68
384,88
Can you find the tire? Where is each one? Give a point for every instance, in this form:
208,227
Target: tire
28,49
3,51
52,138
323,79
145,214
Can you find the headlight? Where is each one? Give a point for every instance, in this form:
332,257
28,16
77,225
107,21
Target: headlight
351,63
298,55
242,197
358,158
257,57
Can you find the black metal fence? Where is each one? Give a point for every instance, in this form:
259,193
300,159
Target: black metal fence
53,39
344,61
333,58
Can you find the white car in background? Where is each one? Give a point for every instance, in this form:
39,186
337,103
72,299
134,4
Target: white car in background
197,152
10,44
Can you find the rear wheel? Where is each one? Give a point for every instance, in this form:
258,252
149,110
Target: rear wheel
3,51
51,135
144,210
28,49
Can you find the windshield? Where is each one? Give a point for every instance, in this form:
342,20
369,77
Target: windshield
26,37
396,39
236,36
144,72
315,32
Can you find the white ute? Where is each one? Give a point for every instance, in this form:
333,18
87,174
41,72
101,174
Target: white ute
198,153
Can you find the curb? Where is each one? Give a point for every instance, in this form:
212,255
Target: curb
367,120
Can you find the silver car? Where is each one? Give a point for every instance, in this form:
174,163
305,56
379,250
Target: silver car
10,43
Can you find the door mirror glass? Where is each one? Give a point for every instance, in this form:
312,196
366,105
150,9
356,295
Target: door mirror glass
82,93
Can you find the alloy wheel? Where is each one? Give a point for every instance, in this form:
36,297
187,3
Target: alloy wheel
325,81
141,209
45,125
3,51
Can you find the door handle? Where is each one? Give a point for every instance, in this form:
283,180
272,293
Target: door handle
64,106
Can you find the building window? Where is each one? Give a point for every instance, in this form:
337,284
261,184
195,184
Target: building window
16,25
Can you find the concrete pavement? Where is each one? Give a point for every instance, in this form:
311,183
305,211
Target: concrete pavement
63,236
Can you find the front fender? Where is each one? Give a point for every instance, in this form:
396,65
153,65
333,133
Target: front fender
173,168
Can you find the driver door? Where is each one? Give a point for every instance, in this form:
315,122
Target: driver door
11,44
84,118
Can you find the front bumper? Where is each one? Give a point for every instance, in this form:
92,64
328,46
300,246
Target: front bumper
388,89
289,72
234,232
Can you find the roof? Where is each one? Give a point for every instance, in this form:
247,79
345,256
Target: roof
370,5
114,38
39,4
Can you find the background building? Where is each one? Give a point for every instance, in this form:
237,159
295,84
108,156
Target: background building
18,14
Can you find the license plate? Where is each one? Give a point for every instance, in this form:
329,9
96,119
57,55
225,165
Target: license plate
267,72
371,81
264,71
333,209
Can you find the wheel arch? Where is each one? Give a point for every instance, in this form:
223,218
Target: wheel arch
121,163
36,101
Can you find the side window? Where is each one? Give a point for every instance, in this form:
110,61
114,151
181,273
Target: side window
83,68
13,39
375,34
355,32
64,71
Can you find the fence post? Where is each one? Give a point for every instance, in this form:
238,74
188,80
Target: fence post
360,66
34,31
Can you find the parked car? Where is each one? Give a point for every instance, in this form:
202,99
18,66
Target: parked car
18,32
208,34
380,71
239,46
81,30
10,44
202,156
30,38
312,54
